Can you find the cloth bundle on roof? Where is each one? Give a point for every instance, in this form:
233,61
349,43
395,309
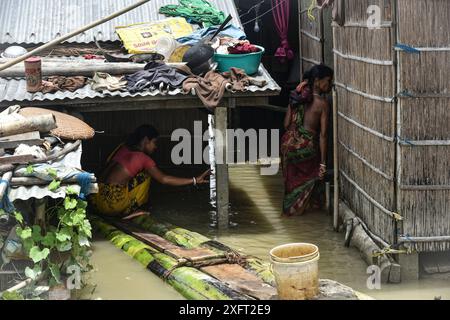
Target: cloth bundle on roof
104,81
156,75
68,127
211,88
57,83
196,11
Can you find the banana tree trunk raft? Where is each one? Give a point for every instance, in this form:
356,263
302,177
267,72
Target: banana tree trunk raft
188,281
190,240
207,269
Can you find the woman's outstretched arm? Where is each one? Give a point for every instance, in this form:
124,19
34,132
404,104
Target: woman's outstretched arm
163,178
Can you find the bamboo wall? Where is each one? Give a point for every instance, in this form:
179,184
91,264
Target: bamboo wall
424,121
393,119
311,37
365,87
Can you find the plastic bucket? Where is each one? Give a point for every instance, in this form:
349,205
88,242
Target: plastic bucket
296,270
249,62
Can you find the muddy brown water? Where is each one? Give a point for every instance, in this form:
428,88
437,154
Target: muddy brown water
256,202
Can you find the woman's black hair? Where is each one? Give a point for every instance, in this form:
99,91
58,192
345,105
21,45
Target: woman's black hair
306,96
140,133
319,72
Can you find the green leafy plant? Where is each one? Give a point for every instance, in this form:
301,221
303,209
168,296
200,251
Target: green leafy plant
60,246
12,296
30,169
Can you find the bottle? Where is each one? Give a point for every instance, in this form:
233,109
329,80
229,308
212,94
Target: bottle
33,74
166,46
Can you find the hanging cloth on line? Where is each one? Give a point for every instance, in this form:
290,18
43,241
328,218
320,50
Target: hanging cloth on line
195,11
281,11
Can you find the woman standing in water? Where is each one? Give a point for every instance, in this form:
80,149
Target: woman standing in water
125,182
304,145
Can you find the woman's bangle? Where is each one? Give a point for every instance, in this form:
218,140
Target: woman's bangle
194,181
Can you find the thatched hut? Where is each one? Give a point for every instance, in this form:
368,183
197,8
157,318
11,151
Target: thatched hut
393,93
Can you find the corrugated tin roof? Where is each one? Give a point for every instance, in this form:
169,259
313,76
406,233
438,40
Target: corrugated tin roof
38,21
14,91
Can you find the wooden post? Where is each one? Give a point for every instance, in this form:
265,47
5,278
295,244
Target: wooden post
222,191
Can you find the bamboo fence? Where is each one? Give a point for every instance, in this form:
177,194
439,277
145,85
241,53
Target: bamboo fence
311,36
424,123
393,119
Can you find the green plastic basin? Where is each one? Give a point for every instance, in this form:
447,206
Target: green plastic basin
249,62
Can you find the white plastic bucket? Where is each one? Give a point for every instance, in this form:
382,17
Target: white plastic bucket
296,270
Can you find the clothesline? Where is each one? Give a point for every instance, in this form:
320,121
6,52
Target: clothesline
263,14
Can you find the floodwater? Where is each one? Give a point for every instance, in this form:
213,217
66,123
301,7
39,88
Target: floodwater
256,206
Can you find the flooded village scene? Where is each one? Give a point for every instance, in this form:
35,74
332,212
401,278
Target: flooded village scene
224,150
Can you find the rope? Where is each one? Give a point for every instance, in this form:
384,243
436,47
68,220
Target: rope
389,250
232,256
310,10
406,48
180,263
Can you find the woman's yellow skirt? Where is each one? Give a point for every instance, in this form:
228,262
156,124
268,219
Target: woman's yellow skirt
121,200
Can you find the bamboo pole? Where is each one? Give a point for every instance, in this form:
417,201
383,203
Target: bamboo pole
335,164
69,147
300,50
335,151
71,34
77,68
20,285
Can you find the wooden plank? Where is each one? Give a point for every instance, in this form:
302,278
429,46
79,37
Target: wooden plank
30,138
241,280
167,247
22,159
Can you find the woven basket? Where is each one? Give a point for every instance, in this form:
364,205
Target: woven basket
68,127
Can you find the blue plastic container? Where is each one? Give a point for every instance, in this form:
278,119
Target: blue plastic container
249,61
